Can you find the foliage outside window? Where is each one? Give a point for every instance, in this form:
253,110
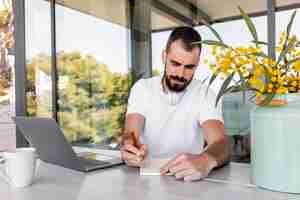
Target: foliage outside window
6,44
248,68
92,99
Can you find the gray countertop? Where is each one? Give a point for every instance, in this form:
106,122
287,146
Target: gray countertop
122,182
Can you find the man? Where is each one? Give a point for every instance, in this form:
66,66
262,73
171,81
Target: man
174,116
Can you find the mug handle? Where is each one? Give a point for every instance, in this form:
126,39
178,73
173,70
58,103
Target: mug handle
3,173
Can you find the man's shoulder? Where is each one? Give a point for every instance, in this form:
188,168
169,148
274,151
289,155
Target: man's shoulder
148,83
202,90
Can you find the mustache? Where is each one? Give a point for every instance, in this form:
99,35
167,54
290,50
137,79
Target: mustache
177,78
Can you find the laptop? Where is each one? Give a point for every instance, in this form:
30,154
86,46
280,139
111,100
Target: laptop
51,145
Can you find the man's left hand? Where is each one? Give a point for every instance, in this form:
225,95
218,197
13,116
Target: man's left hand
189,167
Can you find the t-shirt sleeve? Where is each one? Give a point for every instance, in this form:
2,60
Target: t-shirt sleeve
208,109
137,98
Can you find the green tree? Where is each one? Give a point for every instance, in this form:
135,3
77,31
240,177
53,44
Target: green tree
92,99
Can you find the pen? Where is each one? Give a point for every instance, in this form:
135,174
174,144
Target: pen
135,142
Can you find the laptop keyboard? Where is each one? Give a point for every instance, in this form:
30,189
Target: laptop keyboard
86,161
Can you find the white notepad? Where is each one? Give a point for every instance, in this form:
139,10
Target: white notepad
151,167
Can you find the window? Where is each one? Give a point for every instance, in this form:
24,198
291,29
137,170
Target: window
93,70
282,20
38,58
7,100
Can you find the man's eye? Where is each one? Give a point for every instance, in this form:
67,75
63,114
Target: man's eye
189,66
175,64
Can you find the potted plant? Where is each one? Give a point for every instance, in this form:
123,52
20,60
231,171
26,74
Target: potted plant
275,120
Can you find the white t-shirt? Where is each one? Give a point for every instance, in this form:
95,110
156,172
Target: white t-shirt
172,119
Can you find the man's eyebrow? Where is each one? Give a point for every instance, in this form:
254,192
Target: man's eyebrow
178,63
175,62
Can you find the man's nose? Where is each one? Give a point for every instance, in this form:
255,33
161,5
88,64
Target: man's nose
180,71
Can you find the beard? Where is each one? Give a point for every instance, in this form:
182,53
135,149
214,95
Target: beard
176,87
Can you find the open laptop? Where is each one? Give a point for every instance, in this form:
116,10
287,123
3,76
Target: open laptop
51,145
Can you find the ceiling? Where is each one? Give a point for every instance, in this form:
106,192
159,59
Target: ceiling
166,14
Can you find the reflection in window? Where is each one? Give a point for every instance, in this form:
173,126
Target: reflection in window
38,58
93,74
7,100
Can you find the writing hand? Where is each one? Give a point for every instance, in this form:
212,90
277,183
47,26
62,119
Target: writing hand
133,153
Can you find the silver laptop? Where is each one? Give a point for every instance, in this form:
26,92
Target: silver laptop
51,145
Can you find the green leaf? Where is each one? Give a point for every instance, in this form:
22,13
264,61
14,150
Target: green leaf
289,27
249,23
286,46
224,86
261,54
252,97
211,80
297,44
233,88
211,42
283,53
267,73
243,86
204,80
216,34
292,61
260,42
289,63
268,99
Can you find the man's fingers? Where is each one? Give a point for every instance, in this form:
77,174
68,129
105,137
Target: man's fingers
130,156
183,173
177,168
193,177
144,150
132,149
134,163
172,163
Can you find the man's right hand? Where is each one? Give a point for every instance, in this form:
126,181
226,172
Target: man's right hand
133,154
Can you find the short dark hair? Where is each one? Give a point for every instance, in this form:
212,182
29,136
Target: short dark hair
187,35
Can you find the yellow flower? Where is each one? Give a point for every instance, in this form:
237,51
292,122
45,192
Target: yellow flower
281,90
294,83
296,66
258,71
292,89
214,50
274,79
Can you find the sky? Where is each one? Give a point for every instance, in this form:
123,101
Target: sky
75,31
109,42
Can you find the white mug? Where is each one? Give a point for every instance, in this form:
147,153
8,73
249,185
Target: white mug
20,166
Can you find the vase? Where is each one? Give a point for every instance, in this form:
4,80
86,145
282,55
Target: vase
275,145
236,115
278,100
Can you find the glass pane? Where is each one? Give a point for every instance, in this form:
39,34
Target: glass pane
7,92
38,57
282,20
93,68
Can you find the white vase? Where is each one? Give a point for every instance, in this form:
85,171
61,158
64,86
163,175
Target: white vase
275,146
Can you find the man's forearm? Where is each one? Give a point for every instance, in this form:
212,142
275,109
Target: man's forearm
219,151
134,124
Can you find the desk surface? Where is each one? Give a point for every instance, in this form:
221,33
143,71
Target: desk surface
122,182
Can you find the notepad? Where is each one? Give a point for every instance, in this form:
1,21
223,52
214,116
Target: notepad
152,167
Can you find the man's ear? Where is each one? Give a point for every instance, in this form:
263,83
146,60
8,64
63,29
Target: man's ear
164,56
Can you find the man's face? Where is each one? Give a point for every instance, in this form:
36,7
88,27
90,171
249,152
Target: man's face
180,66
